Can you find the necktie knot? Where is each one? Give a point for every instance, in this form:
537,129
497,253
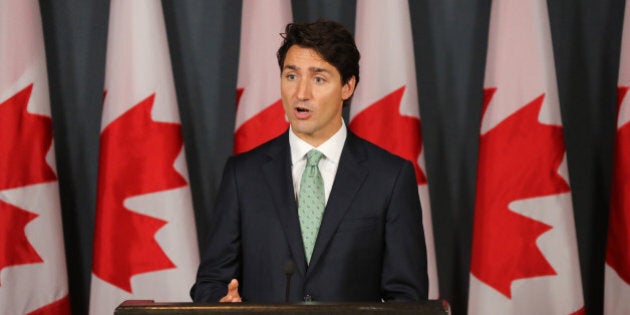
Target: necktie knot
313,157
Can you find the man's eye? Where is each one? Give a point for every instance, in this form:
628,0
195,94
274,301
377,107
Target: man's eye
290,77
319,80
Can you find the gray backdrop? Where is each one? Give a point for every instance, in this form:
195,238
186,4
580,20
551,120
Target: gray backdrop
450,38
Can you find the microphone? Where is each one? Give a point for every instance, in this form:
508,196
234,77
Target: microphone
289,268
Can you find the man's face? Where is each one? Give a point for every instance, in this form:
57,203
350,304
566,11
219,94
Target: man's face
312,95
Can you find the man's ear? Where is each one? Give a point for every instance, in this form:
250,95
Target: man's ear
348,89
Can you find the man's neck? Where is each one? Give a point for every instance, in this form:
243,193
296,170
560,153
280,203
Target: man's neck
317,139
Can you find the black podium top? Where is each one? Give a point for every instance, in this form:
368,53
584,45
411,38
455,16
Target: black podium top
432,307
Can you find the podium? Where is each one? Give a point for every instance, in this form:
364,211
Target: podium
146,307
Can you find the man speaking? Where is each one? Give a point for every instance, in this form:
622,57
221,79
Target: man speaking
316,214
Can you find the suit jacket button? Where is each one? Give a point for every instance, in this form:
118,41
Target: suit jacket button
308,298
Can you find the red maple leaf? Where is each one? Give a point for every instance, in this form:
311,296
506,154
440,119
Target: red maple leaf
239,93
617,253
518,159
25,138
137,157
382,124
264,126
61,306
15,248
581,311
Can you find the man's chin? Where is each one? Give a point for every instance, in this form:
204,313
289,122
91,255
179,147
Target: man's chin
302,133
302,127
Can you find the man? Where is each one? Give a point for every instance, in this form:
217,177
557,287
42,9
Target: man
344,212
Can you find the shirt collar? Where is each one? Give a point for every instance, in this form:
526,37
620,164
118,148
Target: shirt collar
331,148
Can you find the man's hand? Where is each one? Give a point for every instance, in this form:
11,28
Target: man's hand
232,295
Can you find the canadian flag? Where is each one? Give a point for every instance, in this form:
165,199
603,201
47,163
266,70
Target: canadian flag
617,274
385,106
259,114
33,276
524,251
145,243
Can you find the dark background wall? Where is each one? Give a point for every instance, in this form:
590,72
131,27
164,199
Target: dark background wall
450,38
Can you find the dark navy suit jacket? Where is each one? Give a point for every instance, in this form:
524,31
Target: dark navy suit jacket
370,245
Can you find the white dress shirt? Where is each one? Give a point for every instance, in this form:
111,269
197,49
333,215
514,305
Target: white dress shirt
328,165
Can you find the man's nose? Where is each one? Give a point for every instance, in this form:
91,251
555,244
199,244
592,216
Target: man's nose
304,90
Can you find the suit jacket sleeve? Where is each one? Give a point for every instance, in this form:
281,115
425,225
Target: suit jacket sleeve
404,274
221,252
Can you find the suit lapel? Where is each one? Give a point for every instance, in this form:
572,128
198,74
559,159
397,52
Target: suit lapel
277,172
349,178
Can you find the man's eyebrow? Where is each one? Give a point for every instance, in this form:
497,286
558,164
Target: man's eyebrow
310,69
318,70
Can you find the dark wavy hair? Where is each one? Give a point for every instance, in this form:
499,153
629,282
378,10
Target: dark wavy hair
331,40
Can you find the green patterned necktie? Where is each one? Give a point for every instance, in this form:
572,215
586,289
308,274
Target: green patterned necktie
311,201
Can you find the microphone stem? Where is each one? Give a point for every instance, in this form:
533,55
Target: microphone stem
288,289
